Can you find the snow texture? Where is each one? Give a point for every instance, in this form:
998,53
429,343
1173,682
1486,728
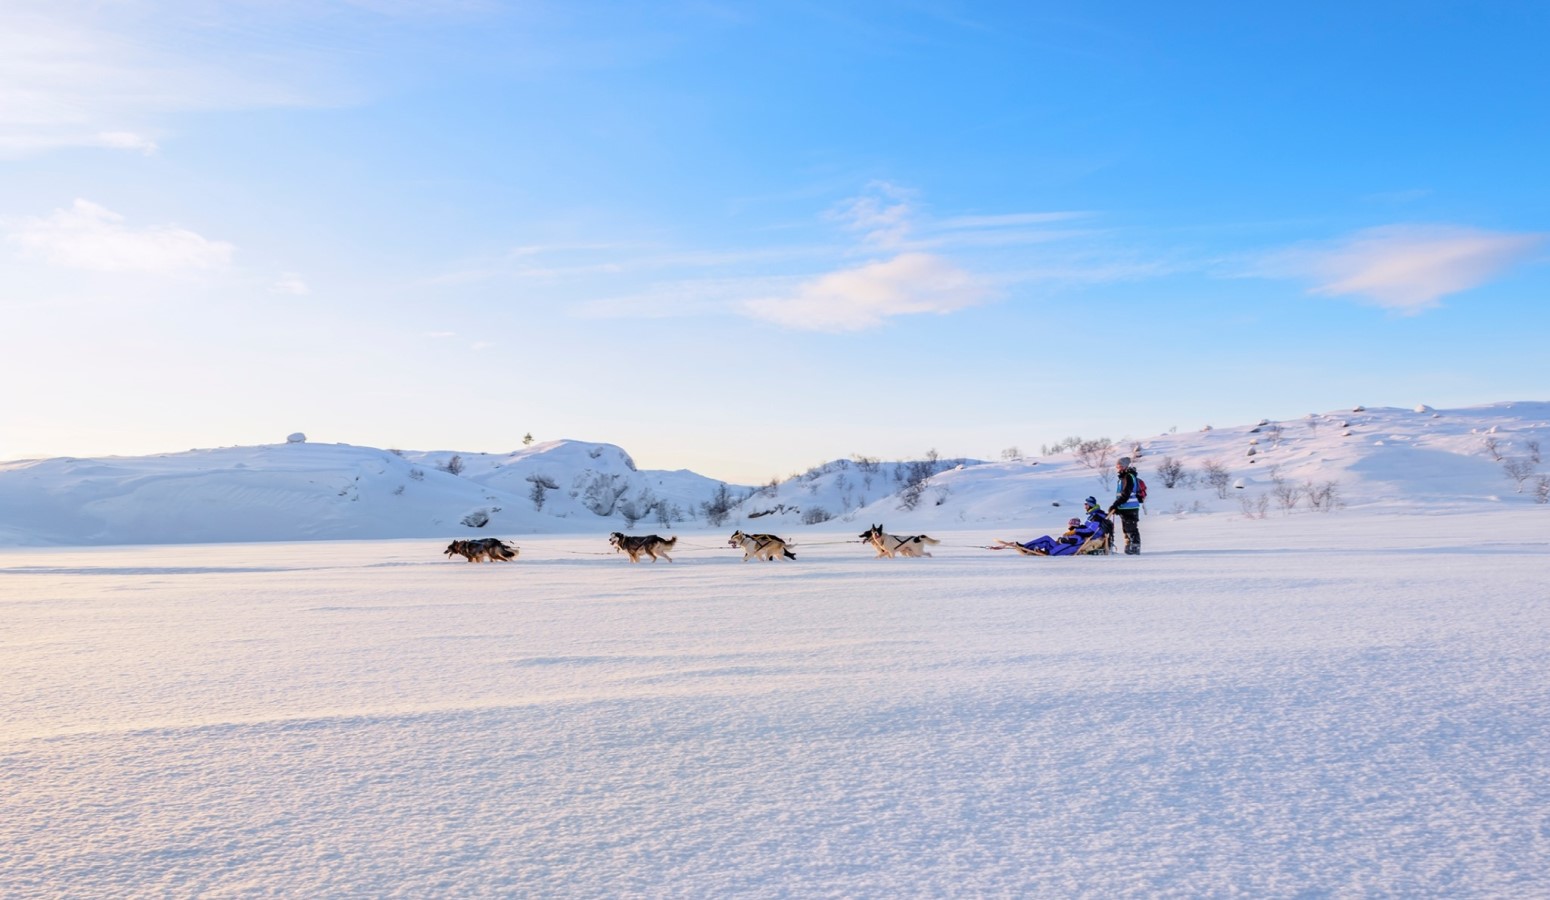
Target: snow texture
1332,705
1300,704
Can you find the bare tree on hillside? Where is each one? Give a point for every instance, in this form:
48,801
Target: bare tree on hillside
719,507
1218,477
1171,471
1519,469
1095,453
1323,497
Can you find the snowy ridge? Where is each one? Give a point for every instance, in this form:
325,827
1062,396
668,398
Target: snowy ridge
1386,458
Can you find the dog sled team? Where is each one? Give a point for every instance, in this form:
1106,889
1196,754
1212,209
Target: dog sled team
1083,536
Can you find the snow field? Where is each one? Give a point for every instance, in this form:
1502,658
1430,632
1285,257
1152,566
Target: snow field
1343,704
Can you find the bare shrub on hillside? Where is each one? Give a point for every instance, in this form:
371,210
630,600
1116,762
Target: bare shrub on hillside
1094,454
719,506
815,515
1286,494
914,475
1323,497
1542,489
1218,477
1492,447
1519,469
1171,471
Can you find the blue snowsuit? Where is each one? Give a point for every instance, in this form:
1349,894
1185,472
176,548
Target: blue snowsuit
1066,544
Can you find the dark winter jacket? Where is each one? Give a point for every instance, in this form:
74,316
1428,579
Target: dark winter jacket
1125,497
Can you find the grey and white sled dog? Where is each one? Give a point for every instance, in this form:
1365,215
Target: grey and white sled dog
637,545
765,546
892,545
482,549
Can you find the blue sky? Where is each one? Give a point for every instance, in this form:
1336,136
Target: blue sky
747,238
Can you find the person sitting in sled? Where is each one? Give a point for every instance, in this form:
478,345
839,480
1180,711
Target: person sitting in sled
1077,533
1096,516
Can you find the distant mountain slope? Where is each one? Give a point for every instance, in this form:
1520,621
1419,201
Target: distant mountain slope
1385,459
306,491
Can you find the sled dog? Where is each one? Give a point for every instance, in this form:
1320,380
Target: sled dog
651,545
765,546
892,545
482,549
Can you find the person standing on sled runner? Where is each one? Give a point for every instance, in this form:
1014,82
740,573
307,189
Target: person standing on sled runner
1127,504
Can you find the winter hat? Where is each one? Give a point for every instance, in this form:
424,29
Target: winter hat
1124,462
1073,523
1090,501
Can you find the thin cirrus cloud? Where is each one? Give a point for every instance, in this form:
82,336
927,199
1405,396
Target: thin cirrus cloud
866,296
1407,268
76,73
88,236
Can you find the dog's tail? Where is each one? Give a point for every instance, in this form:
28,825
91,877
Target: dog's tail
927,539
670,542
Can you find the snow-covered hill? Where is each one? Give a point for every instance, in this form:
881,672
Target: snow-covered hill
304,491
1382,459
1394,459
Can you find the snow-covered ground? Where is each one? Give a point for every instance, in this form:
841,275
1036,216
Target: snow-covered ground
1316,705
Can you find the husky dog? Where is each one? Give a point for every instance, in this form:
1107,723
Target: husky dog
482,549
635,545
891,545
765,546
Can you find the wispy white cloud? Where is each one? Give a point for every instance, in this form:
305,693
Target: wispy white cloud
79,73
291,284
866,296
127,140
1408,268
884,216
910,264
87,236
